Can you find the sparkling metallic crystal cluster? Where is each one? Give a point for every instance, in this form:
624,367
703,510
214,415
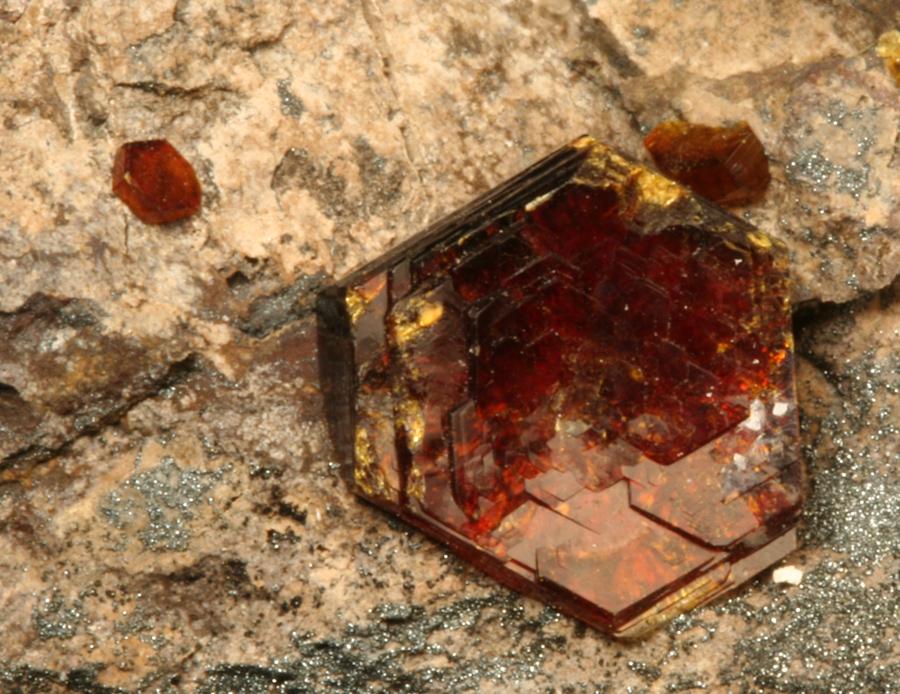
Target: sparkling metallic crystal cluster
583,384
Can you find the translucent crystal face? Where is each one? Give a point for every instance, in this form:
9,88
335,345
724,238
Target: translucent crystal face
727,165
582,384
156,182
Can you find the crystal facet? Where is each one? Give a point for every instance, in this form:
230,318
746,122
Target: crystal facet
582,383
726,165
155,181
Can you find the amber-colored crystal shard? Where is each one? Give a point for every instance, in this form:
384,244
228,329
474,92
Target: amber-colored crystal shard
155,181
726,165
888,49
582,383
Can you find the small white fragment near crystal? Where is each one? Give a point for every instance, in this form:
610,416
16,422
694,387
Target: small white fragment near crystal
757,416
788,574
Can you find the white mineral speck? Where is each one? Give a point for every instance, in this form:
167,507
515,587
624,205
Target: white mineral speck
788,574
757,416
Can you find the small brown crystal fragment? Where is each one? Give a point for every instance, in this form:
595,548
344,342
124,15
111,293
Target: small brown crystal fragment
155,181
583,384
889,50
726,165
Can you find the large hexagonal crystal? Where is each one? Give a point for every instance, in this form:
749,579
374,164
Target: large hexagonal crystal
582,383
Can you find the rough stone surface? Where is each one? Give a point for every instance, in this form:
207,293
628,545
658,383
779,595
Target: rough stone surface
169,512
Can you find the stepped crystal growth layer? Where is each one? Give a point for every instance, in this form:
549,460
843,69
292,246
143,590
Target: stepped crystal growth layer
582,383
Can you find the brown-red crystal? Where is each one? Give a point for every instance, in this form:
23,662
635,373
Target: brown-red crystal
582,383
155,181
727,165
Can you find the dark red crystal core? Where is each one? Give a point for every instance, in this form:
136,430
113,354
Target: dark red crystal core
582,383
155,181
726,165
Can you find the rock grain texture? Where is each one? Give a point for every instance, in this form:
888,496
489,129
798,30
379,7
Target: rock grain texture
170,514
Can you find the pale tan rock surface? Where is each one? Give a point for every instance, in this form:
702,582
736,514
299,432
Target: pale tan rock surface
170,515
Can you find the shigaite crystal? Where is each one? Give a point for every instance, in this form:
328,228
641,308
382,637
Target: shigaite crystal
582,383
155,181
726,165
